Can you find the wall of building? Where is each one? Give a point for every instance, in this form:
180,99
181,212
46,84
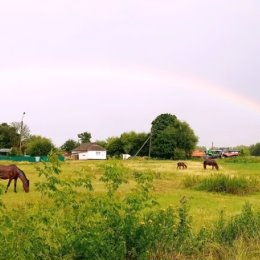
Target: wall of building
93,155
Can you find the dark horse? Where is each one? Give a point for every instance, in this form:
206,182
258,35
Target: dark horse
181,165
12,172
211,162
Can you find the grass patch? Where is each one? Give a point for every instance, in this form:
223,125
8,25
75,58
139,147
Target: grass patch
223,184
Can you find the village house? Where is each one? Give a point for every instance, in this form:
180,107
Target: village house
198,154
89,151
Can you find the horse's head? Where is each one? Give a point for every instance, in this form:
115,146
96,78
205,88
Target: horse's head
26,185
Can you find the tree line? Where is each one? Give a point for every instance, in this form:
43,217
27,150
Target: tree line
169,138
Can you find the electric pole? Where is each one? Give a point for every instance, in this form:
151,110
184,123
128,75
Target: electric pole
21,133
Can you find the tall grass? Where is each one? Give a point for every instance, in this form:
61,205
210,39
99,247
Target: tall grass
223,184
242,159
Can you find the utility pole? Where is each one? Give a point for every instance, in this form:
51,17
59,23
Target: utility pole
150,145
21,133
142,146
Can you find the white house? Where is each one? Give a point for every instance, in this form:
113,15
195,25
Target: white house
90,151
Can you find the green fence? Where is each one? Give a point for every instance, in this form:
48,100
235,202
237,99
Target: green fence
27,158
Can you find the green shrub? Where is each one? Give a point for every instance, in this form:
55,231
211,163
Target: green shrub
223,183
245,225
191,181
242,159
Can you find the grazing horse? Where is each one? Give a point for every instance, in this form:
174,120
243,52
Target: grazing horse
12,172
211,162
181,165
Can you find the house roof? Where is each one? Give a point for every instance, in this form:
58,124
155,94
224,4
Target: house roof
198,153
5,150
85,147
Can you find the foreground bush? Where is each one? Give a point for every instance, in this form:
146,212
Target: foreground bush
70,225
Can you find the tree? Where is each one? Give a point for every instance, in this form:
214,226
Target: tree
114,146
102,143
132,142
39,146
69,145
255,149
164,143
22,129
84,137
243,149
171,138
24,133
8,136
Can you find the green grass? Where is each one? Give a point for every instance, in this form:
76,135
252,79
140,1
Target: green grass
73,225
168,185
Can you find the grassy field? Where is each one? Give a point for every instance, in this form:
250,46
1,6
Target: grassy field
204,207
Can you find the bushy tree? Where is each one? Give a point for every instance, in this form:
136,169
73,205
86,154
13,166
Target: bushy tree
102,143
84,137
132,142
171,138
128,142
255,149
8,136
243,149
39,146
114,146
69,145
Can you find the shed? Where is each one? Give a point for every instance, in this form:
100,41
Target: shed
198,154
89,151
5,151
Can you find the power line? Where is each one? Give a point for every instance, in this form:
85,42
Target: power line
143,145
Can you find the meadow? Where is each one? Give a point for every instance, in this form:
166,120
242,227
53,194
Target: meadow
201,211
168,184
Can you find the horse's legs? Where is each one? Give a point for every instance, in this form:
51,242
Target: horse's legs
9,182
15,181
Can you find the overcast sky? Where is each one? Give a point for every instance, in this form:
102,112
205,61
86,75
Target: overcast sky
108,67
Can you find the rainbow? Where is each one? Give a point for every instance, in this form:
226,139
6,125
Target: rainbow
139,75
182,81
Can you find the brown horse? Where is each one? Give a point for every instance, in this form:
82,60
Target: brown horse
181,165
12,172
211,162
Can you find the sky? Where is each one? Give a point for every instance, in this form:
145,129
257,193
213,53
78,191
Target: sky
108,67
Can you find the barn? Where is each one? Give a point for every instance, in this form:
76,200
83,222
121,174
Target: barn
89,151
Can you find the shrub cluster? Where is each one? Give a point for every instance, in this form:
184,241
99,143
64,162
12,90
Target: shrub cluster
242,159
223,183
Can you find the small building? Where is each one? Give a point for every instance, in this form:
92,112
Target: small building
89,151
5,151
198,154
126,156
